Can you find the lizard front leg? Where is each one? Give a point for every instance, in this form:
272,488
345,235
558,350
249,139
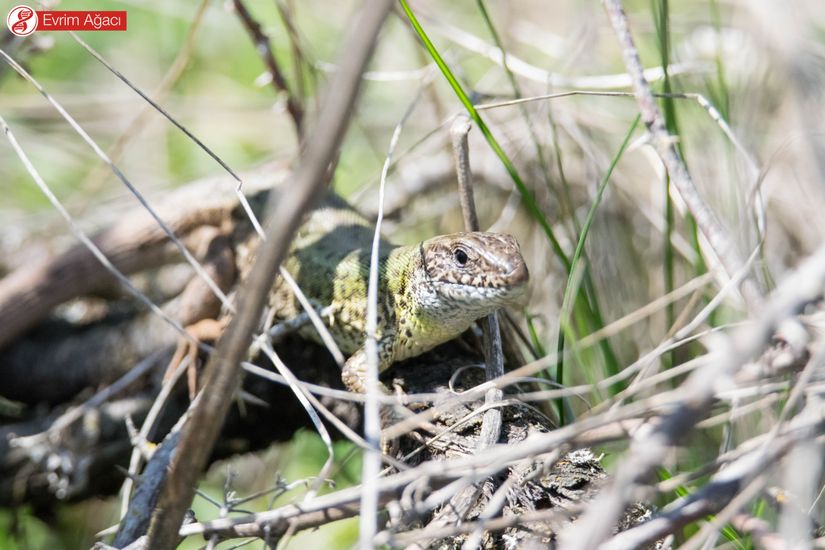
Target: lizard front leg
354,373
199,307
354,376
204,330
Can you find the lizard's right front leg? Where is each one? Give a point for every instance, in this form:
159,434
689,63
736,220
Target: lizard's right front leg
354,373
199,308
205,330
354,376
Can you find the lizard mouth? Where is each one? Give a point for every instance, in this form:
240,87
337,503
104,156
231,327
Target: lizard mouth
482,296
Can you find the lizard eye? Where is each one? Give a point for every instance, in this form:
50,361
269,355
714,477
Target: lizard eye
460,256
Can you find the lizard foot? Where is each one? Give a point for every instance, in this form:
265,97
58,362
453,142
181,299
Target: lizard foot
390,416
354,377
203,330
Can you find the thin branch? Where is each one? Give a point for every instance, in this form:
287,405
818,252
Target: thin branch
461,502
97,177
372,413
136,460
262,46
298,55
135,524
552,80
494,358
301,395
701,100
459,131
82,237
241,197
312,315
199,269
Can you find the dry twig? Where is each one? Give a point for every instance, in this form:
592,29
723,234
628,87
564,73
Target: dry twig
285,213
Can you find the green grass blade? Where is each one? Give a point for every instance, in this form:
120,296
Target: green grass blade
584,307
588,222
526,196
728,531
661,15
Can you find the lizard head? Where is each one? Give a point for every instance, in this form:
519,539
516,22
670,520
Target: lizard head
473,274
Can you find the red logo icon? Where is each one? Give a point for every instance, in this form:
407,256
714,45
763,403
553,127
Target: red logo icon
22,20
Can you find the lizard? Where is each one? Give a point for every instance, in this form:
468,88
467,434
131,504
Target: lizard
428,293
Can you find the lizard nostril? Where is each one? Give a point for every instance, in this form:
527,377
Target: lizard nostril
519,273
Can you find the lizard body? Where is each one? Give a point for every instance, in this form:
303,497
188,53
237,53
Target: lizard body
428,293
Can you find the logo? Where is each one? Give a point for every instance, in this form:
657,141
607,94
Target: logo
22,20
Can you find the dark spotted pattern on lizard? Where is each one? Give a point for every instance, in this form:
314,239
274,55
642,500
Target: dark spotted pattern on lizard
428,293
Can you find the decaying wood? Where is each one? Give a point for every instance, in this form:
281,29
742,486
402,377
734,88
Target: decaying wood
78,474
53,356
60,357
44,460
134,243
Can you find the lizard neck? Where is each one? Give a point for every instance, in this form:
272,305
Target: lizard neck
421,320
401,278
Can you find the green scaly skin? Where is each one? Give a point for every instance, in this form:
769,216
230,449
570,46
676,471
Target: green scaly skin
426,296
